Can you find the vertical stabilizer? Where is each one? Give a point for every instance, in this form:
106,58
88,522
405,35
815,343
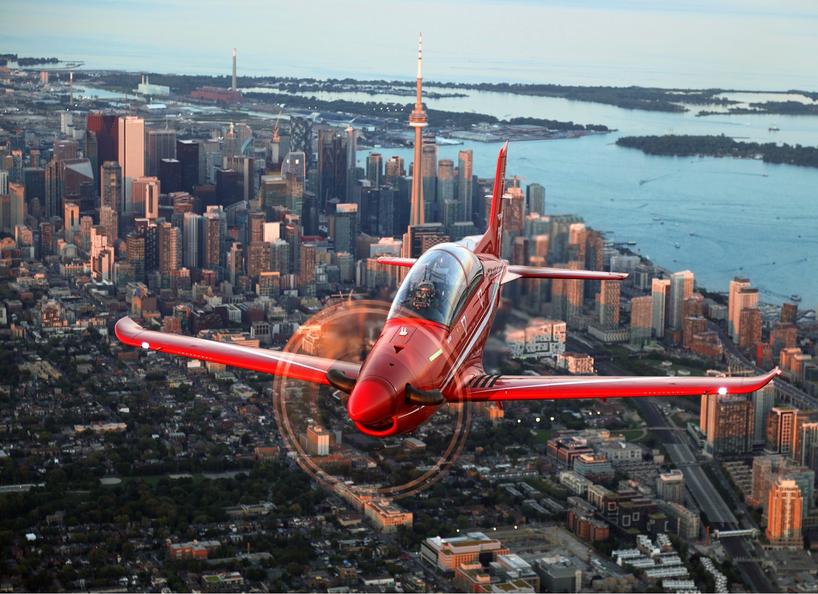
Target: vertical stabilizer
492,240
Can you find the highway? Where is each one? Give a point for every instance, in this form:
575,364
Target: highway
741,550
707,497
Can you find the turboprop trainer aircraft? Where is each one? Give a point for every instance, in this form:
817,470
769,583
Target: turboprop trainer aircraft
430,350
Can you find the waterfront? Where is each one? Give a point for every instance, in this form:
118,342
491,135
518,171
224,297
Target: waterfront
729,216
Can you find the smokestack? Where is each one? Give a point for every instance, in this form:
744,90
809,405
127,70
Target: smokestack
234,70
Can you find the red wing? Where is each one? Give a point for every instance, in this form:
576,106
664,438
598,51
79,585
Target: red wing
492,387
291,365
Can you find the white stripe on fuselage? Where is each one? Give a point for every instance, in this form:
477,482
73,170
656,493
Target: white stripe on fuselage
476,335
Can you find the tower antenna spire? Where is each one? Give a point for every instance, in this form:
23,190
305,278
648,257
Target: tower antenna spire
420,57
418,121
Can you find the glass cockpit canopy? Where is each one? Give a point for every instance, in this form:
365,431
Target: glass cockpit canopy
437,284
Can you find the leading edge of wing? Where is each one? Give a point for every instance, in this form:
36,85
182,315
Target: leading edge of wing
564,387
292,365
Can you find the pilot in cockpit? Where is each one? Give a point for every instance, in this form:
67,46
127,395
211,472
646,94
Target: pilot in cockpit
423,295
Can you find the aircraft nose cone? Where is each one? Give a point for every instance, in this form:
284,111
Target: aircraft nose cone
372,400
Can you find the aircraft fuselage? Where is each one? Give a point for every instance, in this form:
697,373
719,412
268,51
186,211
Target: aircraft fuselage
415,356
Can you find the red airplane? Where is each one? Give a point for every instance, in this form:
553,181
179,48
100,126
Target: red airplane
430,350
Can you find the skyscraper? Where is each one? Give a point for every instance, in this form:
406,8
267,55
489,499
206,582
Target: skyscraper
728,423
681,287
109,220
465,188
145,197
374,169
749,328
187,153
764,400
734,304
332,167
394,169
428,169
641,317
806,445
170,175
110,181
212,237
12,208
784,514
161,144
105,129
536,198
781,423
170,250
131,153
741,299
660,289
343,227
446,186
608,304
34,190
192,239
259,258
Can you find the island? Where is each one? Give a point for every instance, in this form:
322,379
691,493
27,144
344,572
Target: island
770,107
678,145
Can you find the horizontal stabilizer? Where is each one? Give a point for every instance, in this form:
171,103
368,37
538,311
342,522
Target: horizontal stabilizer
514,272
393,261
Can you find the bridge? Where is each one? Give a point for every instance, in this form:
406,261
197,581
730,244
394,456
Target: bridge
751,532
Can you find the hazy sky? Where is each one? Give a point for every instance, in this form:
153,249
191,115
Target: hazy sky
685,43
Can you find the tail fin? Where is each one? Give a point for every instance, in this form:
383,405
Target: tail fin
492,240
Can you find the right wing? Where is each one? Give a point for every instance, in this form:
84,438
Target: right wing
502,387
292,365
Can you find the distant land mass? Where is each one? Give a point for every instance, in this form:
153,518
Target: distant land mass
722,146
633,97
184,84
775,107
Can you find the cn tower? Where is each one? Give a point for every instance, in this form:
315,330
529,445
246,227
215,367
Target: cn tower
417,120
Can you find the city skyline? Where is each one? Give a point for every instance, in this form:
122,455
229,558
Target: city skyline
333,246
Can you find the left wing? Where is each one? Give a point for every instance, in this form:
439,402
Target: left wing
291,365
521,387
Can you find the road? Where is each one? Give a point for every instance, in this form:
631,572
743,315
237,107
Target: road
704,492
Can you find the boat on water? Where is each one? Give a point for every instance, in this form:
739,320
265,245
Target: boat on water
795,298
676,245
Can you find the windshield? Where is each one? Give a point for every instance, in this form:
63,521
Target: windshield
436,283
